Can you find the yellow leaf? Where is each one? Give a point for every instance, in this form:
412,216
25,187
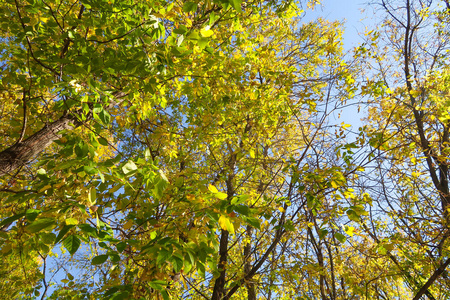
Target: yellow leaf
225,224
349,230
221,196
206,32
281,209
128,224
71,221
213,189
415,93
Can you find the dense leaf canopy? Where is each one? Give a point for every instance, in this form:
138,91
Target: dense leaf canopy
194,150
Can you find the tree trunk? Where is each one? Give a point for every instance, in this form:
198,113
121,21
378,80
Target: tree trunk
251,292
219,284
20,153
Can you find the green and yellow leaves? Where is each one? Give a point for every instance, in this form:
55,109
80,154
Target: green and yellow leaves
216,193
354,213
220,94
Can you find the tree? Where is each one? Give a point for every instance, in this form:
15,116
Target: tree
131,142
408,134
190,150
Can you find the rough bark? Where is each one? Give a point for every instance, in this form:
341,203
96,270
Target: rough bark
250,285
20,153
24,151
219,285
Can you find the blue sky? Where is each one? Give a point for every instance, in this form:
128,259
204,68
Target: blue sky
356,14
357,17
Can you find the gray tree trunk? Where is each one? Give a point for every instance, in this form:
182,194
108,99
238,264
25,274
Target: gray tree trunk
20,153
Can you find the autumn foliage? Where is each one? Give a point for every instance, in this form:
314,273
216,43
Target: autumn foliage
194,150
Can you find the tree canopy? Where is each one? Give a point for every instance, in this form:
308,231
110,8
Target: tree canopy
195,150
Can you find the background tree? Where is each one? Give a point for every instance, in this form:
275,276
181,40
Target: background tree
408,134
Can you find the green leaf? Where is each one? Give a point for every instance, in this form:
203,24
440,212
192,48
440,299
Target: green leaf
81,150
359,210
165,295
177,264
242,209
40,224
103,141
121,246
352,215
92,196
157,284
72,243
159,188
48,238
31,214
381,249
63,232
124,295
254,222
236,4
99,259
193,35
105,117
289,226
70,276
340,237
322,233
180,30
190,7
88,229
89,170
114,258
